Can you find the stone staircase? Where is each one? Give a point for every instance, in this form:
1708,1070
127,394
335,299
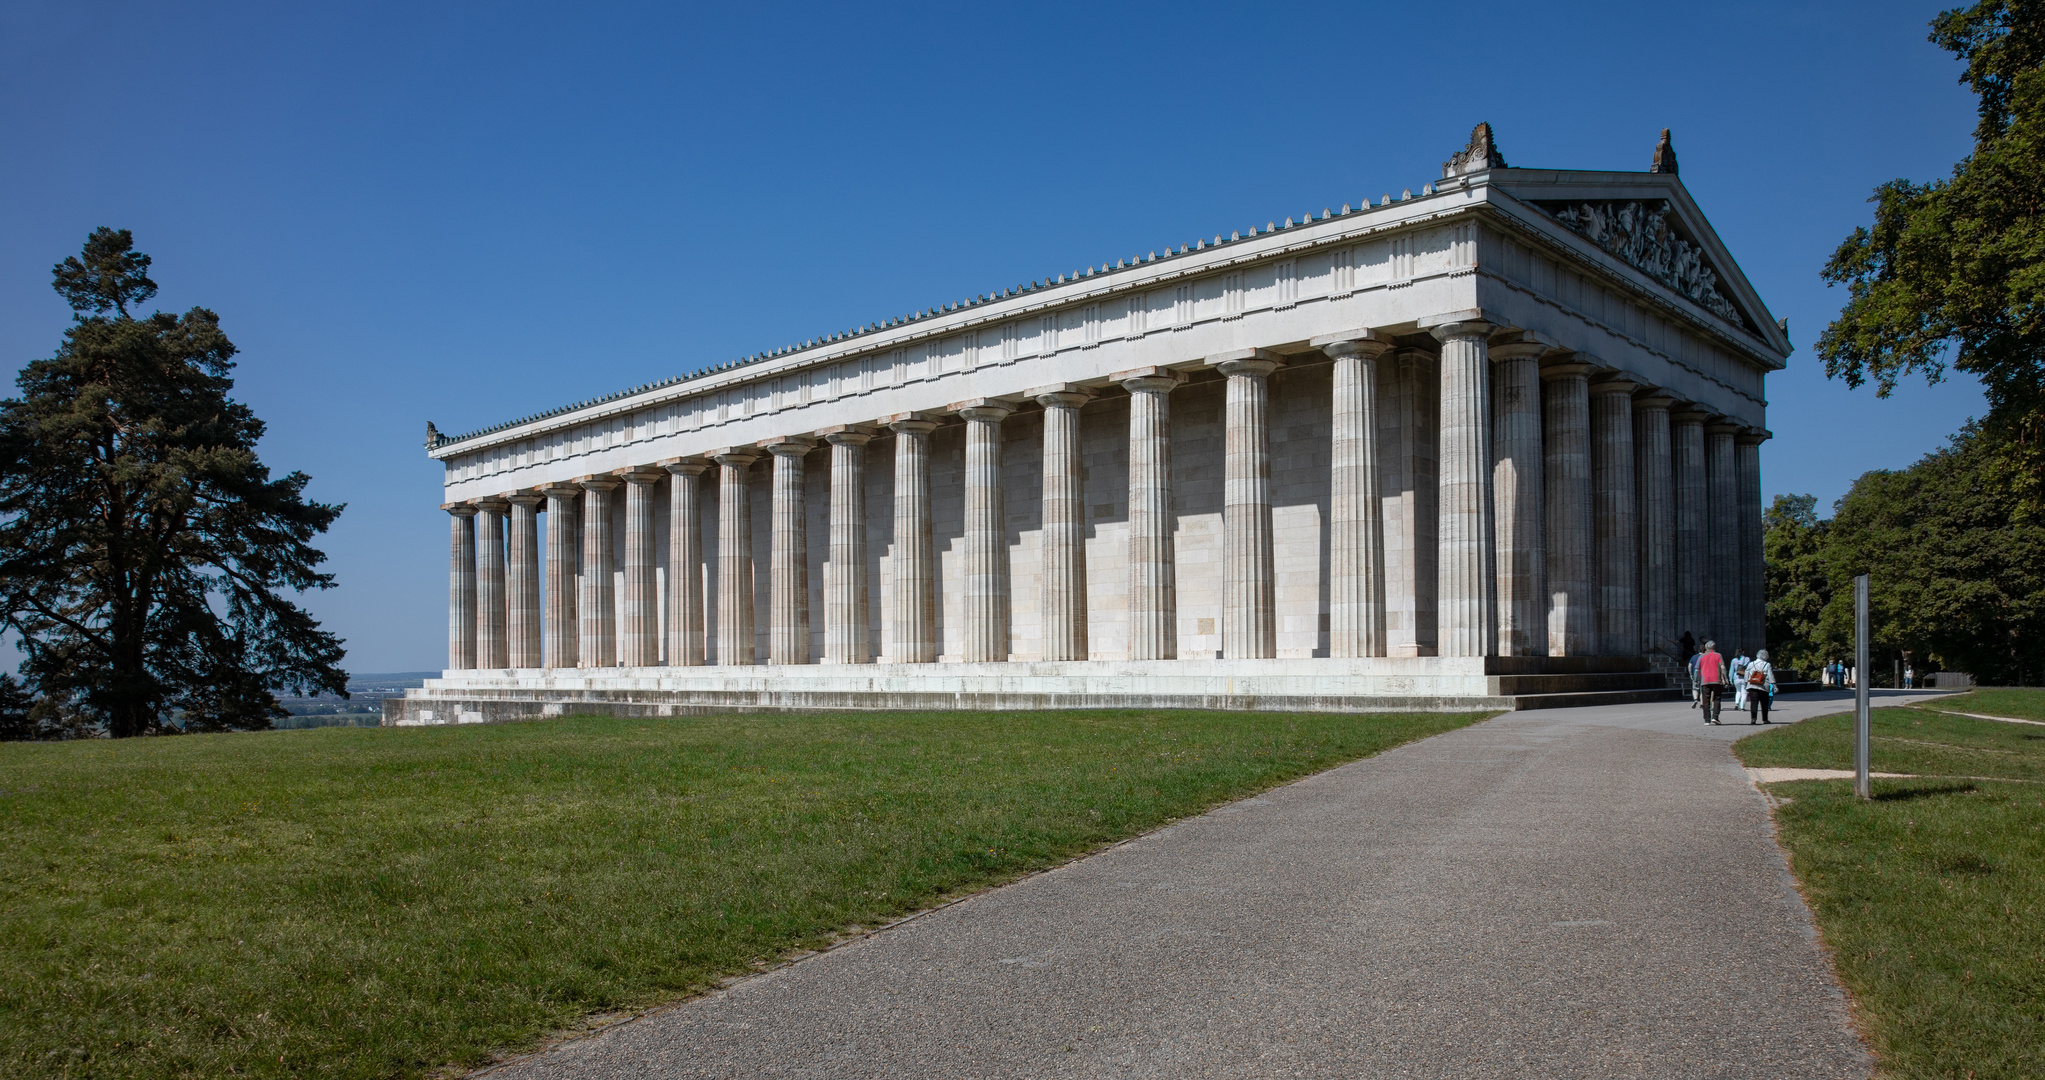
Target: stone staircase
1565,682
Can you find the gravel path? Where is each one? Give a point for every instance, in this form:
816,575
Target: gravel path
1569,893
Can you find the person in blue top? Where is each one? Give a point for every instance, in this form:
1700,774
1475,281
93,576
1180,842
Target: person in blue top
1760,686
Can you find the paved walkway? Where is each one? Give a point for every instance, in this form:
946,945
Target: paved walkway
1566,893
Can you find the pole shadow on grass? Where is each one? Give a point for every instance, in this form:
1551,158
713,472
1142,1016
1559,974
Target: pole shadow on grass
1922,791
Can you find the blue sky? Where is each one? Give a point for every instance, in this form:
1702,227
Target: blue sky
418,211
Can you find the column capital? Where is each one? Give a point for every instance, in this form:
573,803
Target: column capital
598,483
559,489
1686,412
685,466
910,424
788,445
1566,370
524,497
1616,384
1367,343
1519,350
1148,379
1653,399
1752,437
847,434
1069,395
1253,362
1468,323
1722,426
640,474
459,509
735,456
494,504
981,409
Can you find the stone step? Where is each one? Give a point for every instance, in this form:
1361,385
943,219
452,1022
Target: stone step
1595,697
1513,685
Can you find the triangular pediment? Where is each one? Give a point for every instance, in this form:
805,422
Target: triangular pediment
1648,222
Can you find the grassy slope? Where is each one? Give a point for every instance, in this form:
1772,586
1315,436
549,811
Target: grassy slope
1932,897
2020,703
368,903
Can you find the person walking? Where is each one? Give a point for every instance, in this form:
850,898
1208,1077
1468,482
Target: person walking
1711,675
1739,672
1696,686
1760,685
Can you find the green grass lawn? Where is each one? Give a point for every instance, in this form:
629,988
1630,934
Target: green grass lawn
372,903
1932,897
2023,704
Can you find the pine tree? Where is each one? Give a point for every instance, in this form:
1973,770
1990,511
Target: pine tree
144,548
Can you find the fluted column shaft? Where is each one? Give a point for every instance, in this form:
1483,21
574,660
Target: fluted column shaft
734,558
1693,537
1468,600
1064,512
1616,539
639,607
845,603
1153,593
685,563
560,632
1566,474
1249,586
986,637
1723,527
1356,524
491,648
1655,496
522,569
598,606
1753,572
911,624
1516,491
788,573
461,586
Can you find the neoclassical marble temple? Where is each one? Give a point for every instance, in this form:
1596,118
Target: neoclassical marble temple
1496,438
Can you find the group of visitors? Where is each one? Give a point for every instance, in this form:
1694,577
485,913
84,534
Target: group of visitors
1749,681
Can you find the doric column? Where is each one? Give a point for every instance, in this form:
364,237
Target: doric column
845,603
788,575
1516,492
1410,393
639,608
1467,574
1356,524
598,606
461,586
1566,475
734,556
491,651
1753,572
986,637
911,624
1654,487
560,633
1615,542
522,569
1153,595
1693,516
1249,587
1722,523
685,562
1064,513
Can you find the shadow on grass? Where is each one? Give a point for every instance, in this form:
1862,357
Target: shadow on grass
1908,793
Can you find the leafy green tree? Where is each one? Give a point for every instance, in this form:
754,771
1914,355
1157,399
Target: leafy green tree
1798,584
143,546
1953,271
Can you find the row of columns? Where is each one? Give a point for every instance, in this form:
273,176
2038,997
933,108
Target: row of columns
1577,514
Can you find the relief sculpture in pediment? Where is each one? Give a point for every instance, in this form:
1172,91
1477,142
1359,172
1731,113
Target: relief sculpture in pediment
1640,233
